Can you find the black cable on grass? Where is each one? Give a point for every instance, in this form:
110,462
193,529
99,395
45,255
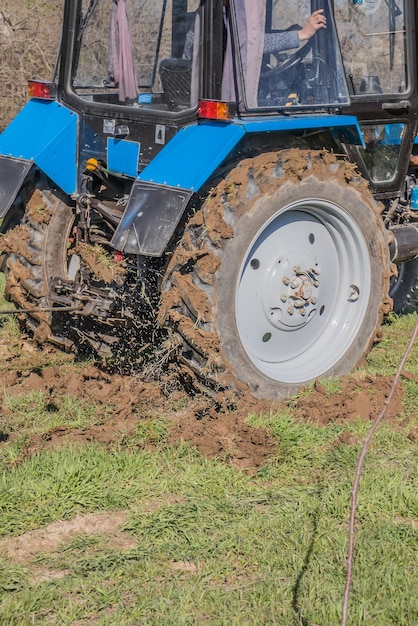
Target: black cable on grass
360,462
41,309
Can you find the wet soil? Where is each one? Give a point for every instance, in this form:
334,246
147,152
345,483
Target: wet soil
216,426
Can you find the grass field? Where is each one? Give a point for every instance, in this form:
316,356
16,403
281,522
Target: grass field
159,534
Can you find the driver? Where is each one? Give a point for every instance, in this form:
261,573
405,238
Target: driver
274,42
254,43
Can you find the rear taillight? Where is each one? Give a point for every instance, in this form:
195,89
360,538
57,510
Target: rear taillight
214,110
41,89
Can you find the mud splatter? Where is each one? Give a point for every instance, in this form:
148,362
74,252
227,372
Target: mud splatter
100,264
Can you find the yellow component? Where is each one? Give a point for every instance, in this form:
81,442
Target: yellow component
292,99
92,165
222,110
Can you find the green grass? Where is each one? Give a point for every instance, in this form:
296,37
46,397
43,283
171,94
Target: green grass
386,355
34,410
213,545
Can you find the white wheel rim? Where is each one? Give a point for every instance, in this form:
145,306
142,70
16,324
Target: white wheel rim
303,291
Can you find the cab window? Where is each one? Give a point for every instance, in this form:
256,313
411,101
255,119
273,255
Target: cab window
373,43
137,53
281,69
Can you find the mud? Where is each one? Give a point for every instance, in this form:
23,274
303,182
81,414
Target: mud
358,397
37,209
100,264
15,240
216,426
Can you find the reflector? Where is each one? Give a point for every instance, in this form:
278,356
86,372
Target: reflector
41,89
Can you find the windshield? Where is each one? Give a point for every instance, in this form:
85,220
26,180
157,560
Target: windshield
289,54
136,52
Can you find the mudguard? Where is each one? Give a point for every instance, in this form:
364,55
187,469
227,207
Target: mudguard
161,192
44,133
12,174
148,227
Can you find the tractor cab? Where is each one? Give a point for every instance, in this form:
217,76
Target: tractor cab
163,57
140,71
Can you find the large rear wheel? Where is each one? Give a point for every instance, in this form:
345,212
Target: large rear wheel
34,248
73,293
282,277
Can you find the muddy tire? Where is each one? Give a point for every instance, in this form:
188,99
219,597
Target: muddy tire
404,287
34,249
281,278
35,256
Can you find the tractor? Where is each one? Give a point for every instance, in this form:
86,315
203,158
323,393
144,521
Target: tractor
201,181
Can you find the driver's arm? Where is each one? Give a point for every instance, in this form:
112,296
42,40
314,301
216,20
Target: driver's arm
288,39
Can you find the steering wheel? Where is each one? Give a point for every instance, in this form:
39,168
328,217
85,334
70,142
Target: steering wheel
291,60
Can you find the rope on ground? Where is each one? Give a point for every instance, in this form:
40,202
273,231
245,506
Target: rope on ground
349,573
40,309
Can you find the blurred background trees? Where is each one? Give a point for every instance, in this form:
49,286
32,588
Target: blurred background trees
29,36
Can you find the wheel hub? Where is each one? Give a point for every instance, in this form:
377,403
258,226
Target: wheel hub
298,294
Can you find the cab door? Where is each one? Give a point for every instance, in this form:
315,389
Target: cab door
379,56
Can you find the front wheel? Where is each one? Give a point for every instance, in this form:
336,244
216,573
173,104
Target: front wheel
296,279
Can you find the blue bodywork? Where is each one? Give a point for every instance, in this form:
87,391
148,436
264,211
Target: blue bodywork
192,156
46,134
187,162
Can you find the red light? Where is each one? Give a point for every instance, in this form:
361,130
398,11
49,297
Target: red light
213,110
118,256
41,89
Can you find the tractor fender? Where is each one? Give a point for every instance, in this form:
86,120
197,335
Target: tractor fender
44,133
161,192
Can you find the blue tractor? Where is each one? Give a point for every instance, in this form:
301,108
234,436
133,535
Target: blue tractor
228,183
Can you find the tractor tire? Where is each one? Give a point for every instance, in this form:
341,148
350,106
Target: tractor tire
35,250
281,278
404,287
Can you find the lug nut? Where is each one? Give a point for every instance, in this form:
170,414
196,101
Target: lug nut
313,270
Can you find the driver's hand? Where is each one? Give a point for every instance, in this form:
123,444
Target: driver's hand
314,22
